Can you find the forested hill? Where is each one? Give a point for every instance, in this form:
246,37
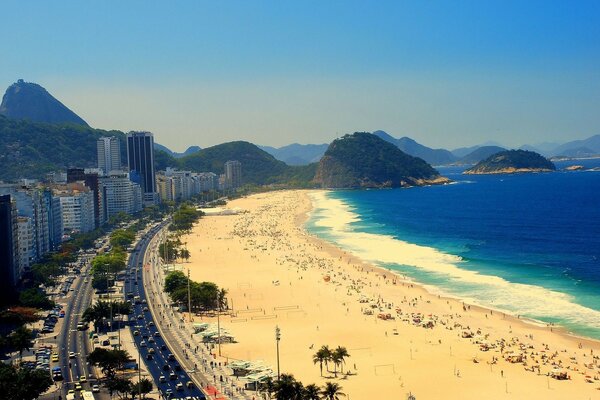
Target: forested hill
32,149
363,160
512,161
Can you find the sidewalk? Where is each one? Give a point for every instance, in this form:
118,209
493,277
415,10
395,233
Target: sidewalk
195,355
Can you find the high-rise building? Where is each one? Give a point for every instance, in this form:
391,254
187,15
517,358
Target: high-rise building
140,160
26,240
9,248
75,175
109,154
233,174
120,194
77,210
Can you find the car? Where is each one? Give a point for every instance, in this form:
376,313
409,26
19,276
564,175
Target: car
172,376
78,386
95,389
136,333
168,393
166,367
140,316
179,386
177,367
151,339
171,357
145,309
149,356
150,323
190,384
151,350
55,358
163,347
156,334
143,343
71,354
71,391
162,378
82,379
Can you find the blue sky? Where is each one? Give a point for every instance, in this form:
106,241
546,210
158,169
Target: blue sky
275,72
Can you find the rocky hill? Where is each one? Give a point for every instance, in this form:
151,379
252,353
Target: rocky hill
363,160
30,101
512,161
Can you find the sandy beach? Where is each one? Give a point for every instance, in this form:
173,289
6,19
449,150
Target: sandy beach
276,274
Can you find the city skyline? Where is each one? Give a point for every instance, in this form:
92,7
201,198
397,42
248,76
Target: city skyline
275,74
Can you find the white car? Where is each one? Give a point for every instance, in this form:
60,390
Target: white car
71,354
95,389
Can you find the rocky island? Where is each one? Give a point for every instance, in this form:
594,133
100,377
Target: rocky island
363,160
511,162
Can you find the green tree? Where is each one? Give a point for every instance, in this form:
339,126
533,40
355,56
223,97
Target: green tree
339,356
144,387
109,361
36,298
21,339
332,391
22,383
286,388
122,238
322,356
175,280
311,392
118,385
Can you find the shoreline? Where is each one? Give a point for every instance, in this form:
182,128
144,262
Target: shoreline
509,315
260,260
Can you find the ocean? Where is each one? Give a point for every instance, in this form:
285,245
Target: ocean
526,244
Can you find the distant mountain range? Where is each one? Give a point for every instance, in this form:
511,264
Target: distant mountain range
39,134
25,100
297,154
190,150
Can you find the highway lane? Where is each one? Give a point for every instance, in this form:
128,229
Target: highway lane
143,322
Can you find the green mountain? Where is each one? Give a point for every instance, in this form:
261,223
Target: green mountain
512,161
297,154
258,166
32,149
411,147
363,160
30,101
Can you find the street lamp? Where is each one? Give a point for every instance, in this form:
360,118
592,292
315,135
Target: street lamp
277,339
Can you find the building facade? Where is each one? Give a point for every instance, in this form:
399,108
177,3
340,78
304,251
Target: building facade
120,194
77,210
109,154
233,174
140,161
9,248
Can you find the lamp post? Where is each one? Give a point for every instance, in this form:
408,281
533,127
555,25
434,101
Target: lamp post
277,339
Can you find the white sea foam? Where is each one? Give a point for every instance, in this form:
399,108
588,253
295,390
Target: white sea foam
336,218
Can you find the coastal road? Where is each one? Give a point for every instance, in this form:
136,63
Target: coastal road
147,337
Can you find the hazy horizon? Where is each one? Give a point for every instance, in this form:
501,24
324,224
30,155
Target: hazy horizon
279,73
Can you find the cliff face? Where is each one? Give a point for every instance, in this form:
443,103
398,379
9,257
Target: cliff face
512,161
30,101
363,160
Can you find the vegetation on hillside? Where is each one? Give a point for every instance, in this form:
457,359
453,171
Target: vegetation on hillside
365,160
512,159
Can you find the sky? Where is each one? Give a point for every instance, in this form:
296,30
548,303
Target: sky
446,73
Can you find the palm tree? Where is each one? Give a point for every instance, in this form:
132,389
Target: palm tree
286,387
332,391
340,354
20,339
267,388
323,356
311,392
222,299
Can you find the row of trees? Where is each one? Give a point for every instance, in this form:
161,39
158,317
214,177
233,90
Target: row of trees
288,388
18,382
184,218
337,357
171,250
102,311
205,296
111,361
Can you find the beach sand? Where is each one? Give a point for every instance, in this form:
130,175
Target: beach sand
274,272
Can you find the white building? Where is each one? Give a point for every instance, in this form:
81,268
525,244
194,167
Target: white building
109,154
233,174
77,210
120,195
26,241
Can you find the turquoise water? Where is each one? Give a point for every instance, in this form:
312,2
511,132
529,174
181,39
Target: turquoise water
526,244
